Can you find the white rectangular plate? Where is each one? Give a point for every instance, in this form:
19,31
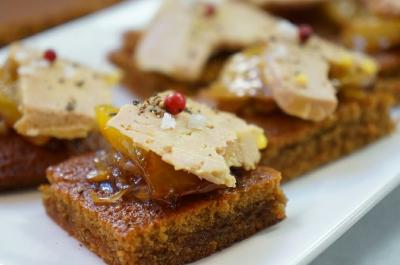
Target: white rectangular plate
321,207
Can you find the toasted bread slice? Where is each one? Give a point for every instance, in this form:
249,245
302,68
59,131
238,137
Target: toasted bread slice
297,146
23,164
138,232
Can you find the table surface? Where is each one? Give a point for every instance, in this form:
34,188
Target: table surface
374,240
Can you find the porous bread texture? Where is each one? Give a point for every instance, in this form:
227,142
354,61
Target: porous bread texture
133,232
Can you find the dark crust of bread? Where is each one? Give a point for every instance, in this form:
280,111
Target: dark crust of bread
23,164
390,86
134,232
389,62
21,18
297,146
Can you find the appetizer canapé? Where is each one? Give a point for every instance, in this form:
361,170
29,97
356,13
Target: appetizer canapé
374,27
180,183
309,119
47,112
369,26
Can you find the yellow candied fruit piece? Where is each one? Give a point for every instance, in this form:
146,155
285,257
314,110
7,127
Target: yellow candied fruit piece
345,61
117,140
262,141
10,113
113,78
9,109
301,79
369,67
104,113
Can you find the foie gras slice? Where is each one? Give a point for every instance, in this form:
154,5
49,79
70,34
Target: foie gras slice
199,140
54,99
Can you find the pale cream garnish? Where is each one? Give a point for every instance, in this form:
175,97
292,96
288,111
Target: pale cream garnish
56,99
69,71
208,151
287,30
197,121
168,122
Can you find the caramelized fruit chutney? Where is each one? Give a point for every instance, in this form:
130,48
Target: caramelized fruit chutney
147,178
138,174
